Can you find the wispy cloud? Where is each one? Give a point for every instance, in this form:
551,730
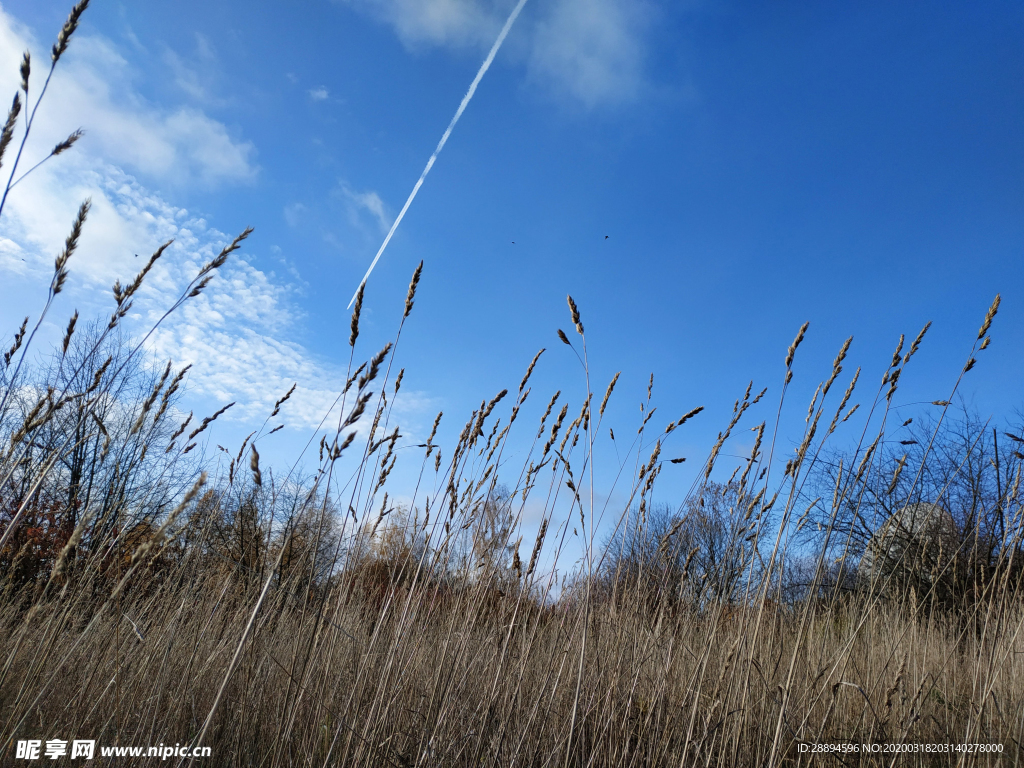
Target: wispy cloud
239,334
439,22
196,74
96,89
368,201
592,49
293,214
319,94
589,50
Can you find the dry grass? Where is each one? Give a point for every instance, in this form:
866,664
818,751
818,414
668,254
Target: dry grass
421,675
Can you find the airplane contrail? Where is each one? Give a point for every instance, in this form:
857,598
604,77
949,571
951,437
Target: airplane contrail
440,145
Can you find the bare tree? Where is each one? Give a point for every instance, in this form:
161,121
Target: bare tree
931,509
701,552
86,440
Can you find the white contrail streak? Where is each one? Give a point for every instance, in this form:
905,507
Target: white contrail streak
440,145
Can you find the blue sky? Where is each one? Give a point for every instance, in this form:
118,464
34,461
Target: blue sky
702,177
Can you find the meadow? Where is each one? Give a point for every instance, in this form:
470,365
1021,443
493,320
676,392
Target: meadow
152,597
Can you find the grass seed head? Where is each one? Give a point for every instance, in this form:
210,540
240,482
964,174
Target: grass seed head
19,337
796,343
60,272
689,415
575,315
920,336
433,432
283,400
68,333
356,310
98,376
989,316
226,251
412,289
68,143
547,412
25,70
8,130
896,353
254,465
529,371
208,420
608,393
837,366
64,36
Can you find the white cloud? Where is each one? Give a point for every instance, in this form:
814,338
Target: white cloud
131,37
94,87
239,332
590,50
197,73
318,94
293,213
235,334
370,202
439,22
